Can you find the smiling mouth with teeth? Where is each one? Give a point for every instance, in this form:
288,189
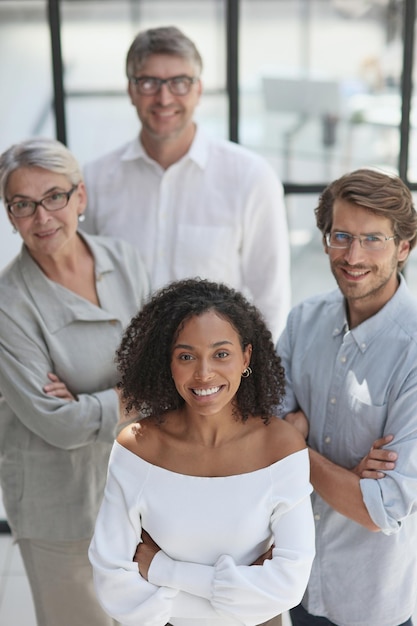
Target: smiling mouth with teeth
355,273
205,392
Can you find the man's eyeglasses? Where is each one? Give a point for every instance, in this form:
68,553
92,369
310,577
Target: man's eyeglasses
342,241
150,85
52,202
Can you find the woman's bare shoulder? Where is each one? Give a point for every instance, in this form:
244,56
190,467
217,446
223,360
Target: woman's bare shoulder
139,436
283,439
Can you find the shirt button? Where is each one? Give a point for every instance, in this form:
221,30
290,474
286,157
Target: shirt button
363,346
343,359
332,400
327,439
316,517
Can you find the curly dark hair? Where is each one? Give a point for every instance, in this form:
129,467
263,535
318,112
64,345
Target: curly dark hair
144,355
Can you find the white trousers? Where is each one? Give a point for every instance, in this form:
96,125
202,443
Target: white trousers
61,581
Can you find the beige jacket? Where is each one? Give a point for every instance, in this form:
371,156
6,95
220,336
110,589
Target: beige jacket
54,453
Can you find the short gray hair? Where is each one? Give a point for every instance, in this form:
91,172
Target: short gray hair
49,154
164,40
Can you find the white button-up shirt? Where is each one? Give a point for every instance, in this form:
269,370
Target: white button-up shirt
217,213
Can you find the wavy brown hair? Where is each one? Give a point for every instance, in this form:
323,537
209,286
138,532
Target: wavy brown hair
144,356
380,193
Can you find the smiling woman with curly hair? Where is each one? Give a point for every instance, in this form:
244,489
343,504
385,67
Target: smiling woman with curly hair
144,357
206,517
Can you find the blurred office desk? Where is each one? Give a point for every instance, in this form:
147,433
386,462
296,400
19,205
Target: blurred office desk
306,97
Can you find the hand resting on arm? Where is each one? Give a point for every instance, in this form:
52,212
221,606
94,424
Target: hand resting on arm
147,548
377,461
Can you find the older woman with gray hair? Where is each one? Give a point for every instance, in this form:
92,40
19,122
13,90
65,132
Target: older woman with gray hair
66,299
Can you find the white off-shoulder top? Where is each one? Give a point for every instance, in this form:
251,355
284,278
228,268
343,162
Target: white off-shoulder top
210,530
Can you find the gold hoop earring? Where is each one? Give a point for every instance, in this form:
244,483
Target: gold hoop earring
247,372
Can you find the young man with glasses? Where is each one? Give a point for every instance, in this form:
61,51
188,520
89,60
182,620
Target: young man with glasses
192,205
351,364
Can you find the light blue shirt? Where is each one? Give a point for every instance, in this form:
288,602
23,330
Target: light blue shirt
355,386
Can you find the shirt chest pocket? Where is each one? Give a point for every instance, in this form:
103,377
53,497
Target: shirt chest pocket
365,423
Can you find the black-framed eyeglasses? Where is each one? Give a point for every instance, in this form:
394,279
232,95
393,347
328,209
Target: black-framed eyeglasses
151,85
52,202
342,241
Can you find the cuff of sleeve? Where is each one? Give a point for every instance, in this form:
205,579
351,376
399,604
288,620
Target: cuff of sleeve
373,501
189,577
160,571
109,406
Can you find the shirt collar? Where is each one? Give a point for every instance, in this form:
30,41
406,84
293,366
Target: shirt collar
341,323
198,152
102,261
134,150
57,305
364,334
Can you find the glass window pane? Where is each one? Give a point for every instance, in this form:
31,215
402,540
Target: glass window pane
320,84
310,273
25,71
26,88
